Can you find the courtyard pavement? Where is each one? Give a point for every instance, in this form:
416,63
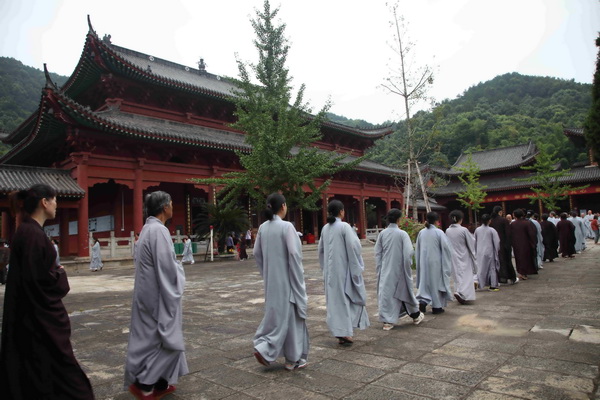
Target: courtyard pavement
539,339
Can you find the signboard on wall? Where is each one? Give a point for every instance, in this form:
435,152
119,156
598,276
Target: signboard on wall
97,224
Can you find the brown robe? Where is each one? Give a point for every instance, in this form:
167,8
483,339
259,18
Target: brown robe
524,243
566,237
507,271
36,357
550,239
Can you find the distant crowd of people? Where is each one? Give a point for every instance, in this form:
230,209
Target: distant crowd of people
36,355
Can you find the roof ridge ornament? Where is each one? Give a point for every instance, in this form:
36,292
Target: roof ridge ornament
201,66
90,27
49,84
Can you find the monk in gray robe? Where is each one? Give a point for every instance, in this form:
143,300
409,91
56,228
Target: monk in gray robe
579,232
95,257
155,354
278,255
487,244
188,255
393,259
539,249
434,266
342,264
463,258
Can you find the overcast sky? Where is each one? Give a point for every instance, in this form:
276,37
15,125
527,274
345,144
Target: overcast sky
339,48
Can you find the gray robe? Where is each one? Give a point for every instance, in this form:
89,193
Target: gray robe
487,243
342,264
393,258
463,260
579,233
539,251
188,256
278,255
96,259
156,348
434,267
587,223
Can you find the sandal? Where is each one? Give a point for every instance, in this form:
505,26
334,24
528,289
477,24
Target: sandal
344,340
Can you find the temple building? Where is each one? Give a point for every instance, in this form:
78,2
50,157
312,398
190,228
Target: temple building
500,173
127,123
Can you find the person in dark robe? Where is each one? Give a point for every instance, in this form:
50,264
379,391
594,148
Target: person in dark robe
566,236
550,238
243,252
36,356
524,242
502,226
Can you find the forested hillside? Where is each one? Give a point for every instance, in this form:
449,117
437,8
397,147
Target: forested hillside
20,91
510,109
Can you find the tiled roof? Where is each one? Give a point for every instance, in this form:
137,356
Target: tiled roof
496,159
174,131
118,122
573,132
176,72
153,69
580,175
16,177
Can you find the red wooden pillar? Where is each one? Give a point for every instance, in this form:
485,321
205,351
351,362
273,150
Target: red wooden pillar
64,232
362,220
83,240
138,200
5,225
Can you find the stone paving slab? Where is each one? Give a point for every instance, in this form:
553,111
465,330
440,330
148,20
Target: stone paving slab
539,339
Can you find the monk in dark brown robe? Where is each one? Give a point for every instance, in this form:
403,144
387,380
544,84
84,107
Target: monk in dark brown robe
524,243
502,226
566,236
550,239
36,357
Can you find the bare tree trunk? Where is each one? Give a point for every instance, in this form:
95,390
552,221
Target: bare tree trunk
407,190
425,198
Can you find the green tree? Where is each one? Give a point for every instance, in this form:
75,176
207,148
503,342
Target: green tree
280,132
547,179
224,220
473,194
592,124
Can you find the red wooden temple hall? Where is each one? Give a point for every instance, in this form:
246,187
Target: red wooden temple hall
500,171
127,123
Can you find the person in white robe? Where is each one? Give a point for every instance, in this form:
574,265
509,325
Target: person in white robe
534,218
463,258
487,244
434,266
156,349
342,264
393,259
278,255
96,258
553,218
188,256
587,222
579,232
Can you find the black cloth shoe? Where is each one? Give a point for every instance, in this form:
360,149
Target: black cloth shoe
422,307
437,310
